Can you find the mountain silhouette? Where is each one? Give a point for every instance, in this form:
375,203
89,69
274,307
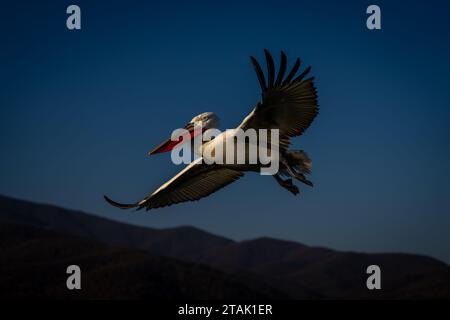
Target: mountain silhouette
33,263
263,267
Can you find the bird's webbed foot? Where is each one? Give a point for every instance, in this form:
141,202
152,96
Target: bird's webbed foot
287,184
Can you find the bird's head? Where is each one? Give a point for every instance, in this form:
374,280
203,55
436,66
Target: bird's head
198,125
208,120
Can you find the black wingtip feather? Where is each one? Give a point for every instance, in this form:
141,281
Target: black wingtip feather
270,68
302,75
259,74
282,69
119,205
293,71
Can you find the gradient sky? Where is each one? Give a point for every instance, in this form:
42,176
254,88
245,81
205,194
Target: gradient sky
80,109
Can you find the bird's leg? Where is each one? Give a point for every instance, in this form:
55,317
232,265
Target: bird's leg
287,184
297,175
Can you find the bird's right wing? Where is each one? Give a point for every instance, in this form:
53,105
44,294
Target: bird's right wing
288,104
195,181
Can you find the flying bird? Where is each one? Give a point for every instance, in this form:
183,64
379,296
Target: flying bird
289,103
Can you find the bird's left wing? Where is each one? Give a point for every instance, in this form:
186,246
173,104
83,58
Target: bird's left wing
288,103
195,181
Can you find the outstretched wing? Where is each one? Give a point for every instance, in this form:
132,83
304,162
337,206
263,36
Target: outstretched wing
195,181
288,103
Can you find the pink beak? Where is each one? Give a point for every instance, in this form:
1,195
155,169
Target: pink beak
169,144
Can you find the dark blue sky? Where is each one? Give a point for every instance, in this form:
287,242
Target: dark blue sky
80,109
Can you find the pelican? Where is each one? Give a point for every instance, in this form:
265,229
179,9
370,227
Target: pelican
289,104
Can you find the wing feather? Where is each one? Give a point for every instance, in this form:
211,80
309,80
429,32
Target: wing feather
270,68
290,106
282,69
195,181
293,71
259,74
